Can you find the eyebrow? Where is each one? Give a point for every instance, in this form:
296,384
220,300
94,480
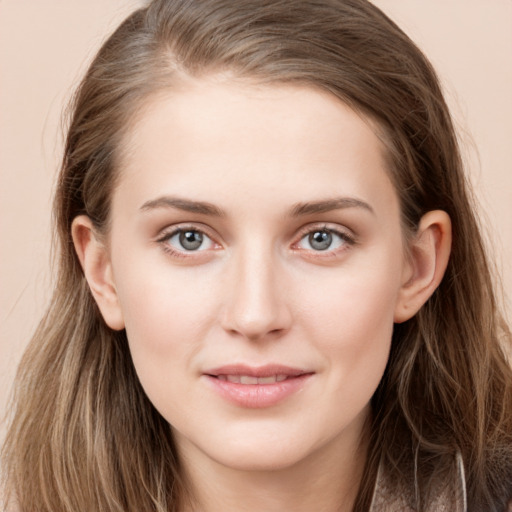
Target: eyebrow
328,205
186,205
297,210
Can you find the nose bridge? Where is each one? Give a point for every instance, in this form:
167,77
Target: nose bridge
257,306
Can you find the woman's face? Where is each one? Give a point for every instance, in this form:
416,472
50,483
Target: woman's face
257,257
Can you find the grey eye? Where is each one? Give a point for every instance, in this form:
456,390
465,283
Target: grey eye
320,240
190,240
187,240
324,239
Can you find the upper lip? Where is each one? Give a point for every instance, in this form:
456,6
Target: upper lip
257,371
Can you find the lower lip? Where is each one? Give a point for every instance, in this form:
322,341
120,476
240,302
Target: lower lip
257,396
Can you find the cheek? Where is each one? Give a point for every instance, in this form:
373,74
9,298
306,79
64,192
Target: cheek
357,350
164,336
165,314
350,320
352,304
161,305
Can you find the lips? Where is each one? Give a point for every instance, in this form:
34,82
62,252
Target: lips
256,387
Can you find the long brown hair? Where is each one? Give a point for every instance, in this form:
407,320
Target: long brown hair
85,437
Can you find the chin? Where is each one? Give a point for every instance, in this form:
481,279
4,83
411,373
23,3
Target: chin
258,461
261,453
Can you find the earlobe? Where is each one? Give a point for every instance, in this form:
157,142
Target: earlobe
429,255
97,268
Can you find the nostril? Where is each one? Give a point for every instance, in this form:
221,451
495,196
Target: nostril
256,307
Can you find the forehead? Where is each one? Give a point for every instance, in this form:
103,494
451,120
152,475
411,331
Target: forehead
232,140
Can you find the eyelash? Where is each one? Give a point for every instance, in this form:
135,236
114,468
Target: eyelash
347,239
166,236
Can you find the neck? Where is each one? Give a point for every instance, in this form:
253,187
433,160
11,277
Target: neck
328,480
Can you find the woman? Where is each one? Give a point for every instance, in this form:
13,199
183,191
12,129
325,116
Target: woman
273,294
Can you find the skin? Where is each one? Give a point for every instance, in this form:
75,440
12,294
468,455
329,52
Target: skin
258,291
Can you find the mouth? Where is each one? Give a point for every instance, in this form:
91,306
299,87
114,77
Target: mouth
244,374
249,379
257,387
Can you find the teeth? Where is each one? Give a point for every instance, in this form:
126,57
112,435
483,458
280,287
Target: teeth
245,379
249,379
267,380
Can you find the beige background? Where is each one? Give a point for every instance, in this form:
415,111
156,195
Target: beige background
46,44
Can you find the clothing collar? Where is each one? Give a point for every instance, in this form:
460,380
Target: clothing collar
448,495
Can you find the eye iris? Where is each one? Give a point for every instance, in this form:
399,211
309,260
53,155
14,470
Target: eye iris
191,240
320,240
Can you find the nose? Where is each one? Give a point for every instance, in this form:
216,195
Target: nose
258,305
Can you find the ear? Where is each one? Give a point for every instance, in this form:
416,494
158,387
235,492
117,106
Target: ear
428,259
97,267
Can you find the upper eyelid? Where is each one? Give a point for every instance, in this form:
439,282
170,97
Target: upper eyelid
326,226
169,231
